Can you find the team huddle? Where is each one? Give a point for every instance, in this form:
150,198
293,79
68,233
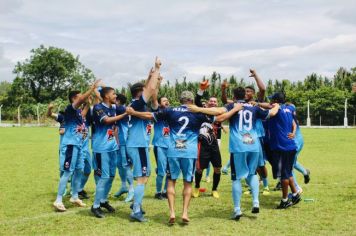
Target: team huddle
186,141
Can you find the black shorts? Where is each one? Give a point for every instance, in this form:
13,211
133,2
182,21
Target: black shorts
207,154
282,163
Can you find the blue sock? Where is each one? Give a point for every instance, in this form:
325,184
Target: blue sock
227,166
207,171
265,182
129,177
253,183
236,194
84,180
122,173
76,180
138,196
96,179
300,168
99,191
63,184
295,181
108,185
159,182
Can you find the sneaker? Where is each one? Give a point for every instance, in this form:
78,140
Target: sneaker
278,187
207,179
196,192
236,215
142,211
266,191
77,202
215,194
83,194
159,196
98,213
307,177
164,195
130,196
255,208
59,206
225,171
248,192
296,199
138,217
285,205
107,206
120,192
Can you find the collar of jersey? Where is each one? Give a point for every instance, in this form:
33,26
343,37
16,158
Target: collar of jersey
104,104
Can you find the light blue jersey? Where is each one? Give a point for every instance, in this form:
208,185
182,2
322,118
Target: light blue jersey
260,129
123,125
161,135
103,134
243,131
139,130
74,126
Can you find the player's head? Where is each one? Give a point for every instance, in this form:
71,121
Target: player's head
278,97
249,93
121,99
108,95
212,102
136,90
163,102
73,96
186,97
203,103
239,93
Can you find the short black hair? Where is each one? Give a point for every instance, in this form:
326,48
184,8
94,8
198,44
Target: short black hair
104,91
239,93
136,88
250,87
160,99
72,94
121,98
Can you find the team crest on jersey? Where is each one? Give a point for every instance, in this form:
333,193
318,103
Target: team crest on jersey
110,134
148,129
80,129
144,170
247,139
181,144
166,131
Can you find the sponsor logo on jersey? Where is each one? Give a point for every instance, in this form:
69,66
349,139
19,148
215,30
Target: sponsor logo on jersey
110,134
166,131
148,129
181,144
247,139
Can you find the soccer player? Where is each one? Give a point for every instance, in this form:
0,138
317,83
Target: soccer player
208,146
161,142
71,162
138,138
105,149
124,163
182,152
244,147
282,130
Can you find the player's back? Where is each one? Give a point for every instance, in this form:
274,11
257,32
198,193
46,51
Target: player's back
122,124
73,125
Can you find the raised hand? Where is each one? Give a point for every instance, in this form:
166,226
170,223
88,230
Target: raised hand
204,85
158,63
96,84
50,106
253,73
224,84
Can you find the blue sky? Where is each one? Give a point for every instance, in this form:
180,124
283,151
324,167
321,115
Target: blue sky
118,40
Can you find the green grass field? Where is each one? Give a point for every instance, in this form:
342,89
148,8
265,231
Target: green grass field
29,179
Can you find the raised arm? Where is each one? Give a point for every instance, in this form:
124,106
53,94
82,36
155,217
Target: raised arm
229,114
84,96
49,111
274,110
153,81
202,87
261,86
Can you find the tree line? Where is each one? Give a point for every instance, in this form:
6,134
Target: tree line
50,73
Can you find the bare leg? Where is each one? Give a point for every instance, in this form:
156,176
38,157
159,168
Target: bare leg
171,194
285,185
292,185
187,194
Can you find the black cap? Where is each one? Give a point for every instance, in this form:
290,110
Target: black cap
135,87
278,97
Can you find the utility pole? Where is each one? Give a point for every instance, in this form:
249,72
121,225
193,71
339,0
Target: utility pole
308,117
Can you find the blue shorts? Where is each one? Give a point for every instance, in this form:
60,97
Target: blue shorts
123,159
178,164
70,158
161,160
261,155
104,164
282,163
243,164
87,161
140,161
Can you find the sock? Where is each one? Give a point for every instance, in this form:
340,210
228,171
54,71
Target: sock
284,200
96,179
84,180
122,174
198,177
129,176
99,191
108,185
300,168
294,194
236,194
295,181
252,181
63,184
207,172
216,180
138,196
76,181
159,182
265,182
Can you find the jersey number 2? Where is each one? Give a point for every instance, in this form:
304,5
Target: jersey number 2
186,121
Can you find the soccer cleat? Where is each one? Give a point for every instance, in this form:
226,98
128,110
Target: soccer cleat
83,194
278,186
285,205
307,177
164,195
248,192
59,206
120,192
236,215
77,202
142,211
130,196
255,208
196,192
138,217
215,194
296,199
98,213
266,191
225,171
107,206
159,196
